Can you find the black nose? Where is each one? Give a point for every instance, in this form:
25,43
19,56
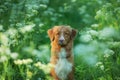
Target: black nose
61,41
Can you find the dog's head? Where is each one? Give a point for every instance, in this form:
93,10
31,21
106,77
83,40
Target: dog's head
61,34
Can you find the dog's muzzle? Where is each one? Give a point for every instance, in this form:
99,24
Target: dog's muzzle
61,42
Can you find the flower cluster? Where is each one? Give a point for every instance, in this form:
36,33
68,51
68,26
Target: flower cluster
108,52
86,38
23,61
27,28
3,59
107,33
11,32
4,39
100,65
6,54
45,68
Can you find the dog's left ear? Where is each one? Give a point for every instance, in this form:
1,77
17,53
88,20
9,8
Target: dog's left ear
50,34
73,34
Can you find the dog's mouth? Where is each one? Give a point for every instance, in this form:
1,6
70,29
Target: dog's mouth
62,44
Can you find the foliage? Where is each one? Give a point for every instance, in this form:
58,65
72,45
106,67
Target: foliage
25,46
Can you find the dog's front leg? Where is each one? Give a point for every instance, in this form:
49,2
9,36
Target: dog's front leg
54,74
71,75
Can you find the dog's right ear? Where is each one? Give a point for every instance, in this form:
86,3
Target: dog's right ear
73,34
50,34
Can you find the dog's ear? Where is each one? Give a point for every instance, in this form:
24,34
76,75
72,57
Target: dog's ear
73,33
51,34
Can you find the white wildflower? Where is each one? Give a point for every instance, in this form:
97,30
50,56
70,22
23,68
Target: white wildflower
4,39
45,67
43,6
108,52
93,32
14,55
4,50
11,32
73,0
3,58
27,28
46,70
27,61
95,25
37,64
114,44
102,67
7,51
18,62
98,63
51,65
86,38
106,33
24,61
40,25
98,14
106,55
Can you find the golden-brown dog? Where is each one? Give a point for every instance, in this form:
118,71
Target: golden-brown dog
61,52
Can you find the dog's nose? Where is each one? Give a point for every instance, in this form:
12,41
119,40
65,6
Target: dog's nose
61,41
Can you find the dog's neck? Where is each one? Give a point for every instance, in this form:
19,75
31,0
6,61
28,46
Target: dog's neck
62,53
56,49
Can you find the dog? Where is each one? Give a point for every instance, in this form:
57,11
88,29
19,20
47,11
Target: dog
61,52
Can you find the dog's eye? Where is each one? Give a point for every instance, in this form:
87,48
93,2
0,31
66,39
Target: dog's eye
66,33
57,33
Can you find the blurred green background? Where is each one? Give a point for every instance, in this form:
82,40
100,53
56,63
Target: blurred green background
25,46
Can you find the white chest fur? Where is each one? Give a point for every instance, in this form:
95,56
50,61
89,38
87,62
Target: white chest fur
63,66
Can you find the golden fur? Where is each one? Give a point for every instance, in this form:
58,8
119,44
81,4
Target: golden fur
56,49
